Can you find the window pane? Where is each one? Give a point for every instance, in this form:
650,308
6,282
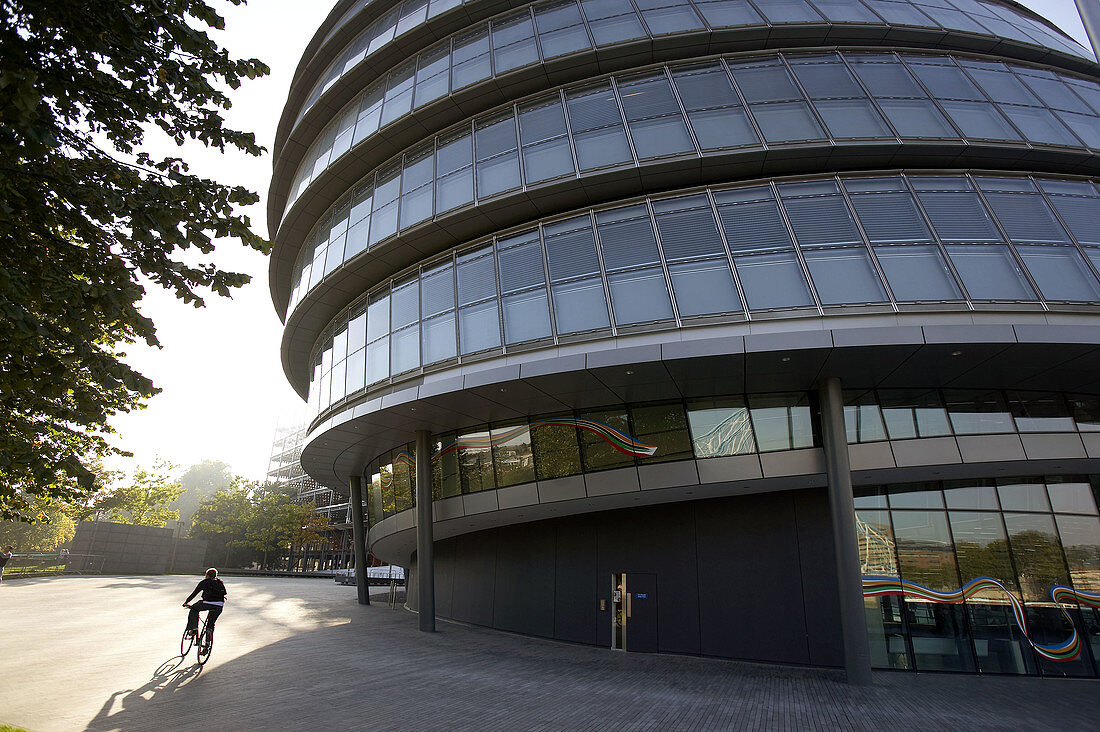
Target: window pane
916,495
602,147
990,272
722,127
406,349
445,461
639,296
1071,495
437,291
773,281
476,276
519,260
557,453
1060,273
843,276
851,118
720,427
958,216
1040,412
571,249
475,461
664,427
597,449
580,306
863,418
513,460
978,412
478,327
547,160
917,273
687,228
526,316
883,614
916,118
971,494
626,237
820,220
786,121
781,421
706,287
438,336
1022,494
911,413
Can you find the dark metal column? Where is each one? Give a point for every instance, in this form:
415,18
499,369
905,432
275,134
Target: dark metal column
425,539
359,536
857,650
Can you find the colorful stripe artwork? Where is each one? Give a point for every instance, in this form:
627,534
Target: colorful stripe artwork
619,440
878,586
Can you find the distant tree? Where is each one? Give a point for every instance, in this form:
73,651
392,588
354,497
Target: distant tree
144,501
88,217
222,520
199,482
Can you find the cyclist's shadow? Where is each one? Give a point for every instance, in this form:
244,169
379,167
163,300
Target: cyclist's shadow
169,676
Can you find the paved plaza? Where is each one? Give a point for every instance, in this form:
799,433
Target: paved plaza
101,653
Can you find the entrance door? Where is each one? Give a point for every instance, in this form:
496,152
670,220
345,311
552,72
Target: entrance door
640,599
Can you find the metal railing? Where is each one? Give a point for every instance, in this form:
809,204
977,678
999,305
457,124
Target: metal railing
29,565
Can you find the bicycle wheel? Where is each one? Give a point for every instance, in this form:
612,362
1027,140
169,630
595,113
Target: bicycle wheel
206,645
185,643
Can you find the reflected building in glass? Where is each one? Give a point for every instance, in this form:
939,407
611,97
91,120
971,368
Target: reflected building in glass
636,266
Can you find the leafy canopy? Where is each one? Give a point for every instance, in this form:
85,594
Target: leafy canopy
87,216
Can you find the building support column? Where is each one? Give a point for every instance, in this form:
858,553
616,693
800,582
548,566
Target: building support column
1090,18
853,621
359,536
425,539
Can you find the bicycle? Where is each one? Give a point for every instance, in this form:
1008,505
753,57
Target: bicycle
205,640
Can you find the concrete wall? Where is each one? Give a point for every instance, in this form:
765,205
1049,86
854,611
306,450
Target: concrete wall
747,577
128,549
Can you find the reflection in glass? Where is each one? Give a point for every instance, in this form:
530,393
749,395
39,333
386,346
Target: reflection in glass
885,628
513,460
1071,494
916,495
557,453
720,427
913,413
863,418
1081,541
977,412
475,461
1021,494
663,426
781,421
971,494
598,453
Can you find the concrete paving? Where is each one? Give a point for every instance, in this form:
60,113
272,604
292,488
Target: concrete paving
101,653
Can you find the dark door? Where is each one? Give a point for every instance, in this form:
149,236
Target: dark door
641,613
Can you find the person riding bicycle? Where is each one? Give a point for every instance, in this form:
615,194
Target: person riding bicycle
213,599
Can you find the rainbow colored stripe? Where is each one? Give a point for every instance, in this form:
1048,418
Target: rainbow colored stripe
621,441
877,586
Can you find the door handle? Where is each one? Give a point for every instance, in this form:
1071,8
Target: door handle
628,597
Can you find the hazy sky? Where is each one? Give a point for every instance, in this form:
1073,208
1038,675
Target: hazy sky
219,368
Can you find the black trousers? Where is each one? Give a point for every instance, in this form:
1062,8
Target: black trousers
211,617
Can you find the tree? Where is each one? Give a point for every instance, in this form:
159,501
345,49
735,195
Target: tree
199,482
54,525
223,518
88,217
144,502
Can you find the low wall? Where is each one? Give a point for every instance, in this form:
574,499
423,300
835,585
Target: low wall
128,549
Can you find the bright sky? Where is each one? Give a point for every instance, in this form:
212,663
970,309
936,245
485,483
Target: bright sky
224,391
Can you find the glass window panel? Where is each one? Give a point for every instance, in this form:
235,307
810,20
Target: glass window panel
869,496
752,225
526,316
979,120
560,28
825,80
787,11
357,238
704,288
946,82
476,276
1060,273
378,316
470,58
916,495
781,421
475,461
863,418
612,21
917,273
602,147
454,190
723,127
982,550
406,349
958,216
432,77
445,464
597,451
845,11
720,427
356,371
438,338
357,330
1040,412
626,237
1084,126
541,121
399,94
687,228
1022,494
580,306
669,16
1039,125
913,413
1072,495
454,154
885,628
1055,93
728,12
557,453
660,136
844,276
890,217
821,220
773,281
592,108
978,412
513,459
663,426
852,118
971,494
937,631
639,296
1086,412
1026,218
519,260
404,479
514,42
916,118
437,291
571,248
786,121
1002,86
884,76
546,160
990,272
405,304
706,87
1081,541
479,327
378,360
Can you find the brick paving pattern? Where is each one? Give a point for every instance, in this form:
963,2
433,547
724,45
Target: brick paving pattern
101,653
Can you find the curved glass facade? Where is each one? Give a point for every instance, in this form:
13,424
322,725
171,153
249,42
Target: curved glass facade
491,456
696,110
803,247
992,575
556,28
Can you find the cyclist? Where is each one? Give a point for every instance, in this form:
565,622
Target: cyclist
213,599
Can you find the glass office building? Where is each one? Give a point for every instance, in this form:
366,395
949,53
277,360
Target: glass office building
611,253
